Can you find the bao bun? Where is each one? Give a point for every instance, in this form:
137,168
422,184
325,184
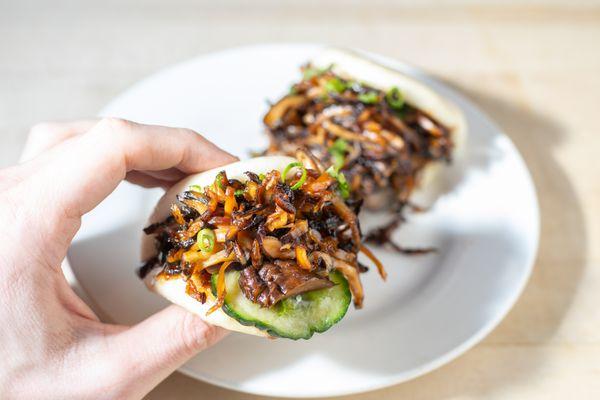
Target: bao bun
173,289
352,66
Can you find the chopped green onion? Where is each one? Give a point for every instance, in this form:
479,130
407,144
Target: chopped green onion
339,148
219,180
205,240
395,98
368,97
311,72
262,177
343,186
239,192
340,145
293,90
337,151
302,179
287,169
196,188
354,85
335,85
338,159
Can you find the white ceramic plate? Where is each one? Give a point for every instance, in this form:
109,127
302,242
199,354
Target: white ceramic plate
432,308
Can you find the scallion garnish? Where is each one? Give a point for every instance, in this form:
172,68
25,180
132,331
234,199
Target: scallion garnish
338,159
368,97
302,179
196,188
338,152
219,180
335,85
205,240
310,73
239,192
340,145
343,186
395,98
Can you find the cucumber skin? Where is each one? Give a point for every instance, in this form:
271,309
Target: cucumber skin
335,276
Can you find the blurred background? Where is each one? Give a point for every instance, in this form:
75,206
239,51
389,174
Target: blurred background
533,66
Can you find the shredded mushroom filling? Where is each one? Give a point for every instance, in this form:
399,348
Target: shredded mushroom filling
284,232
375,139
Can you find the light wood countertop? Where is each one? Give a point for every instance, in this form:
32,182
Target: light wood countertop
533,67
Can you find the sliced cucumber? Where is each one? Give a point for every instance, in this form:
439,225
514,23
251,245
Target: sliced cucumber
297,317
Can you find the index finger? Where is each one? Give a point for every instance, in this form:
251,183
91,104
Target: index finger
87,169
46,135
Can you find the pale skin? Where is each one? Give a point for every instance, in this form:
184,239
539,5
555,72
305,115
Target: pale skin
52,345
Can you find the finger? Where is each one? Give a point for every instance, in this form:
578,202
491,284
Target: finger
46,135
167,177
152,179
146,180
171,174
69,298
90,167
153,349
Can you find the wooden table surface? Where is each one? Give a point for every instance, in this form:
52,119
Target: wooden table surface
533,66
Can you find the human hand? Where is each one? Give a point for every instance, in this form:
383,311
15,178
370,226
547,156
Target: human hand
53,346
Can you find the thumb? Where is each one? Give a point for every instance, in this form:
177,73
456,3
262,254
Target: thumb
150,351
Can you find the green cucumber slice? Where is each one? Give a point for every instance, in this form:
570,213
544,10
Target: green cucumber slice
297,317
